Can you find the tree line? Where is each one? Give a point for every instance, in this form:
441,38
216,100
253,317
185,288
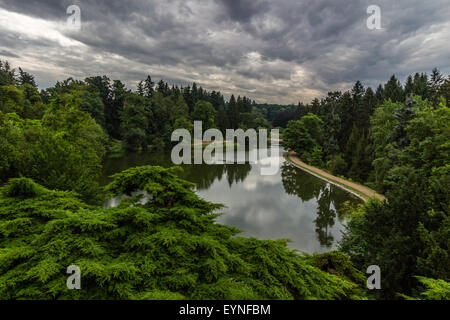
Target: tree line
89,118
395,140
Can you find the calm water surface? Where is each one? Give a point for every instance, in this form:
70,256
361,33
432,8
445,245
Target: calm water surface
291,204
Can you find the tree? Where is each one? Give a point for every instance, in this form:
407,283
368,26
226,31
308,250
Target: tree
33,107
115,109
409,86
435,83
167,248
26,78
369,103
233,113
163,88
380,94
178,108
64,150
7,75
134,122
11,100
386,151
408,235
347,115
140,88
184,123
303,135
148,87
444,91
355,154
91,102
204,112
421,85
332,125
393,90
222,120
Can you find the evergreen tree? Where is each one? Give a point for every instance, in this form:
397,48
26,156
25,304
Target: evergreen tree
380,94
409,86
347,115
114,109
393,90
366,109
421,85
233,113
7,75
332,126
435,83
26,78
168,248
222,120
140,88
148,89
134,122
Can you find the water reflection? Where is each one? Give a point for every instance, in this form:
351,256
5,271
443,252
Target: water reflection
291,204
329,200
326,216
202,175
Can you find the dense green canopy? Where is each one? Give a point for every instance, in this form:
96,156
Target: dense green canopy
169,247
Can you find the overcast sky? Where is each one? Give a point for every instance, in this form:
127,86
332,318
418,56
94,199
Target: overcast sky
281,51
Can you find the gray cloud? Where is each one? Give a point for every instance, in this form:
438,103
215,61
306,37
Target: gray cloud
279,52
6,53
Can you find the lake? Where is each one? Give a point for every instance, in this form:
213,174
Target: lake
290,204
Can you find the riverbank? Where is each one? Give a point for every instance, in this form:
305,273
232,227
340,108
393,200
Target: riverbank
362,192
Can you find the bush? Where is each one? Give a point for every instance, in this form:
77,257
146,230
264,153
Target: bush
315,157
339,165
169,248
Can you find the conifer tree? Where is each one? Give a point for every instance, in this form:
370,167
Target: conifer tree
393,90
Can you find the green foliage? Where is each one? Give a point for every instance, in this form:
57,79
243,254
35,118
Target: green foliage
304,136
338,263
7,75
168,248
357,155
22,187
396,139
408,235
435,289
383,124
204,112
134,122
339,167
393,90
11,100
315,157
64,149
233,113
184,123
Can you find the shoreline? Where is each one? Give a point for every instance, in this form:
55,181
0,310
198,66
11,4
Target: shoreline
362,192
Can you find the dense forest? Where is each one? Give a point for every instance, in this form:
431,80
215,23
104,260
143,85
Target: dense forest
53,143
397,141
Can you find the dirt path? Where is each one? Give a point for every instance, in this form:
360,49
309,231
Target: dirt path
358,190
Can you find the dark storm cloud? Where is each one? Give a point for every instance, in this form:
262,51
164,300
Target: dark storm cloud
6,53
276,51
243,10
